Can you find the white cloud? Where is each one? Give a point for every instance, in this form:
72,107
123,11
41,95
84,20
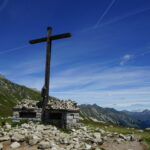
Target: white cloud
95,83
128,85
115,19
126,58
128,104
104,13
129,99
27,68
126,15
95,78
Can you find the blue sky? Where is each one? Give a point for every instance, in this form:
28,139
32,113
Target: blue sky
106,61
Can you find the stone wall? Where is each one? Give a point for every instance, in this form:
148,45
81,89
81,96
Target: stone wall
59,118
17,114
55,117
72,119
68,119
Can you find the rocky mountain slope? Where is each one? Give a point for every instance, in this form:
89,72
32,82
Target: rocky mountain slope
142,117
108,115
125,118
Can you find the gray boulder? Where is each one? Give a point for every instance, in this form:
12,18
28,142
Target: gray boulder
44,145
4,138
1,146
18,138
97,136
15,145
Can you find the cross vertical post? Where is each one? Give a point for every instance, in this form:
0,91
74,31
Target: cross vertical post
48,39
45,90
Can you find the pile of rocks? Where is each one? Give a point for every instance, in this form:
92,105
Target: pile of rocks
49,137
27,103
62,104
52,104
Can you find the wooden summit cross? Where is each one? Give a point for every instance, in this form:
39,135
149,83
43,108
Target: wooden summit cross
48,39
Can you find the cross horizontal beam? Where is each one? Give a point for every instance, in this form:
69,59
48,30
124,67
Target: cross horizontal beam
54,37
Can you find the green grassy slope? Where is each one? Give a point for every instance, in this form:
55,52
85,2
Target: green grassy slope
11,93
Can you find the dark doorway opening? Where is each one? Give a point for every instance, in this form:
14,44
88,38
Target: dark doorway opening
27,114
57,116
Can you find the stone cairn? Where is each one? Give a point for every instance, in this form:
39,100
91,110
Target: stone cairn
62,105
27,103
52,104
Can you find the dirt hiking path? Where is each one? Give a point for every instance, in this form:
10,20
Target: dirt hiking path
107,146
123,146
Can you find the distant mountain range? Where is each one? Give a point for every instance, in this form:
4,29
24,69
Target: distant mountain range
143,117
110,115
11,93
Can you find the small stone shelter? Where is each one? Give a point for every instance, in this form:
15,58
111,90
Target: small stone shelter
61,113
